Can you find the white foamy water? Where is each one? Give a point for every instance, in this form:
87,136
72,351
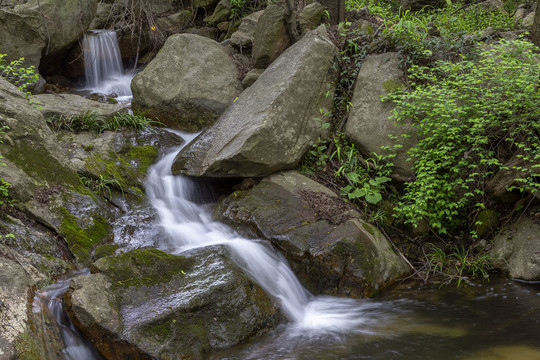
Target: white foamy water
103,69
190,225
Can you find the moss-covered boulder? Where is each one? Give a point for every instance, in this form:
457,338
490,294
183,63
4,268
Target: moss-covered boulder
243,37
189,84
221,13
149,304
328,246
29,147
271,37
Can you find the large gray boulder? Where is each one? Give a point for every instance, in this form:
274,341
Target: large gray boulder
369,124
271,124
42,28
175,22
329,247
149,304
189,84
21,35
271,37
517,249
310,17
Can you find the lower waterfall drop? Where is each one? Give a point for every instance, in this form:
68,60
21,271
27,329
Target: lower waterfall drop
190,225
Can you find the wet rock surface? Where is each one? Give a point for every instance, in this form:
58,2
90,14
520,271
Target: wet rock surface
328,246
149,304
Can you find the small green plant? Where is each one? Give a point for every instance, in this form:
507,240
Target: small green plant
241,8
316,158
16,73
4,185
460,265
471,117
102,185
90,121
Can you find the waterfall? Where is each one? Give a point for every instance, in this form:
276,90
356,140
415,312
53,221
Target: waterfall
103,68
189,225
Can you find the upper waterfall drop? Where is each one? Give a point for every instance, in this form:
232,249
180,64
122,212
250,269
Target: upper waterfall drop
103,69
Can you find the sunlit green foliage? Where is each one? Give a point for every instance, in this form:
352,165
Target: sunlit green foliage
472,116
16,73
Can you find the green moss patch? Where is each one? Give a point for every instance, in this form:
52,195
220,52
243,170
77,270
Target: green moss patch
36,161
128,168
83,236
142,267
191,331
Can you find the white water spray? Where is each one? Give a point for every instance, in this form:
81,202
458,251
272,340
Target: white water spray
190,225
103,68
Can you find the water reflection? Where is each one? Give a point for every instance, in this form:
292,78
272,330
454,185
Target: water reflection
497,320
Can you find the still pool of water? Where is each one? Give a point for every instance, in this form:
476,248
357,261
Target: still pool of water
496,320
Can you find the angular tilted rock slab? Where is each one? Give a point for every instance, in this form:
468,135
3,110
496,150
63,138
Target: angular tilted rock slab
369,124
149,304
328,246
271,124
189,84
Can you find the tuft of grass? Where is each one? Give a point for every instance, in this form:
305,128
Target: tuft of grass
91,121
102,185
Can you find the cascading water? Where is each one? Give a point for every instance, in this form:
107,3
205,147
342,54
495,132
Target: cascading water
48,304
103,68
189,225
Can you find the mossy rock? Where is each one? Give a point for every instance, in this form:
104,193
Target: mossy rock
166,306
105,250
329,247
486,223
127,168
142,267
83,235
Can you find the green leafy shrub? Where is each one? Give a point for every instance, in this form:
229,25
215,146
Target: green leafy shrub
472,117
17,74
457,20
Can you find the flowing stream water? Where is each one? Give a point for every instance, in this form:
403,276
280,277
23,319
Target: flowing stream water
189,225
